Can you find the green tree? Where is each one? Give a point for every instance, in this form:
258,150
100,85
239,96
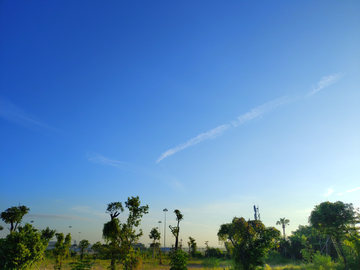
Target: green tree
336,220
193,246
155,236
122,236
61,250
176,230
111,231
47,234
14,215
283,222
178,260
250,239
97,247
22,248
84,244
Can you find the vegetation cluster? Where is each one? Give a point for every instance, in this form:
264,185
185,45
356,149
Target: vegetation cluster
330,241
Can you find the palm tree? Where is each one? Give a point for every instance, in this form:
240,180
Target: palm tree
283,222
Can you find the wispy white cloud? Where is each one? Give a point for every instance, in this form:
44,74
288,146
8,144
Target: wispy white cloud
100,159
203,136
83,209
13,113
351,190
97,158
260,110
326,81
69,217
252,114
256,112
330,191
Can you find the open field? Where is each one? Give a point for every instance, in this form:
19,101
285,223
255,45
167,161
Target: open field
193,264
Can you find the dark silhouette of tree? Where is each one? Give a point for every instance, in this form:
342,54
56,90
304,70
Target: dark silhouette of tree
14,215
176,230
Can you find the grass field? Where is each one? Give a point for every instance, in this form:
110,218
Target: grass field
149,264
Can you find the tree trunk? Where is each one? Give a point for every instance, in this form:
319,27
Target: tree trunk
160,255
283,230
342,253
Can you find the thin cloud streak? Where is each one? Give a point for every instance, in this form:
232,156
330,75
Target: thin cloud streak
330,191
326,81
68,217
97,158
100,159
83,209
351,190
203,136
252,114
13,113
260,110
256,112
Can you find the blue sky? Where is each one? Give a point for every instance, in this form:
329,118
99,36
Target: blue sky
208,107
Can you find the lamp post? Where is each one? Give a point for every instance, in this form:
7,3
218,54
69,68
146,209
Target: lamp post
165,210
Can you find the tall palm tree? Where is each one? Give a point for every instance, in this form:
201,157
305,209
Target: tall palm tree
283,222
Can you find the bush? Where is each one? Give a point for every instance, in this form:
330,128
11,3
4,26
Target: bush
210,263
321,262
198,255
178,260
214,252
275,258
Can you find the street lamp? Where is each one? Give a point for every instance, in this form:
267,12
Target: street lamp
165,210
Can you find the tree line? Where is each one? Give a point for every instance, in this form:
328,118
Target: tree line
332,234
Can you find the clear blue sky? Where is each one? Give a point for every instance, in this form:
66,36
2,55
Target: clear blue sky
203,106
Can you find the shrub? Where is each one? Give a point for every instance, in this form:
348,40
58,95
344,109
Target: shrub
210,263
178,260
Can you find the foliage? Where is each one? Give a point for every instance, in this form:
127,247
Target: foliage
309,235
333,219
336,220
83,244
214,253
22,248
178,260
82,265
47,234
275,258
155,235
283,222
97,246
210,263
193,246
121,236
322,262
176,230
251,240
61,250
14,215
